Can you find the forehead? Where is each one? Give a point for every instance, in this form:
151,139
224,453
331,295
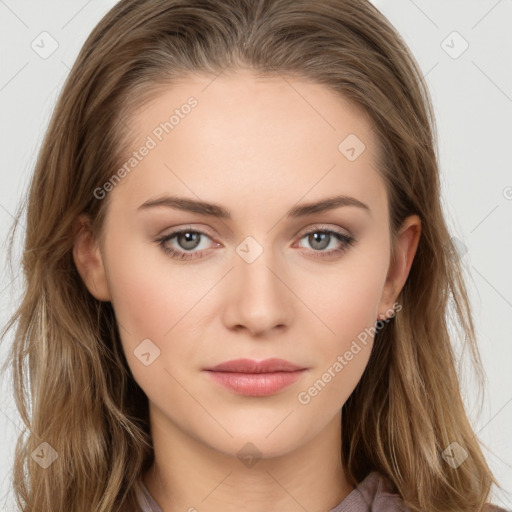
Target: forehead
242,102
259,136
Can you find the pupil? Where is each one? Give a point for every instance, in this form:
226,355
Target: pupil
190,243
320,238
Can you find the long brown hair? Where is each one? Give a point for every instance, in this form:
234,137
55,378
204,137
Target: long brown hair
66,356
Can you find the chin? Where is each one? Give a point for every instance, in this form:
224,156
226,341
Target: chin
257,444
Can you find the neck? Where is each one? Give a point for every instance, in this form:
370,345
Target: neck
188,475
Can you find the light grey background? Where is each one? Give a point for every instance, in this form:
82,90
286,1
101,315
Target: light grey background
472,94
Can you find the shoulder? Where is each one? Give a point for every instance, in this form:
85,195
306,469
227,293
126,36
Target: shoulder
374,493
377,493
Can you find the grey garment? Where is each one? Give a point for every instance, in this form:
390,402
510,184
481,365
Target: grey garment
373,494
146,501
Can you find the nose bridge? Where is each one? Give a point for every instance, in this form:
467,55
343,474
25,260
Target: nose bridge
259,300
255,260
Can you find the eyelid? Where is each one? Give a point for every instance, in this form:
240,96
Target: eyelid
323,227
189,227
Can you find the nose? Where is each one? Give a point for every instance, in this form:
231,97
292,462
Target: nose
258,298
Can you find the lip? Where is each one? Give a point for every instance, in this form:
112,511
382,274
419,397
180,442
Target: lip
251,366
256,378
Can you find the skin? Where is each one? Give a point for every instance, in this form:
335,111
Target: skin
257,147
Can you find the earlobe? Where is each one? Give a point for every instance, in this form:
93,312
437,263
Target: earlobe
89,260
405,250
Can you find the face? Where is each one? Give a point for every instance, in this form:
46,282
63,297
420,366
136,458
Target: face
267,279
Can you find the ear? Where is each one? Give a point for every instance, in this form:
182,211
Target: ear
89,260
405,250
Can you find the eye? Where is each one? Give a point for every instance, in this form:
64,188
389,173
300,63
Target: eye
187,240
320,239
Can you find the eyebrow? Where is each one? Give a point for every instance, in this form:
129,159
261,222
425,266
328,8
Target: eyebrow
215,210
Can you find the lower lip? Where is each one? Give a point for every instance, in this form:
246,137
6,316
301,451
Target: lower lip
256,384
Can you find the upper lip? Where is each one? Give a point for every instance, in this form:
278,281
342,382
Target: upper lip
251,366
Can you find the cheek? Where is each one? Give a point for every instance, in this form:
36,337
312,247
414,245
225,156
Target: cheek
150,292
357,299
349,307
347,298
157,299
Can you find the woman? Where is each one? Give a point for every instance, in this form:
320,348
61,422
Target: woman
238,272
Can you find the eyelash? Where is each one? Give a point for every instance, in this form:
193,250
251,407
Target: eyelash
346,241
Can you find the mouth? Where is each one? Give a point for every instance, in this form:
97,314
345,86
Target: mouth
256,378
